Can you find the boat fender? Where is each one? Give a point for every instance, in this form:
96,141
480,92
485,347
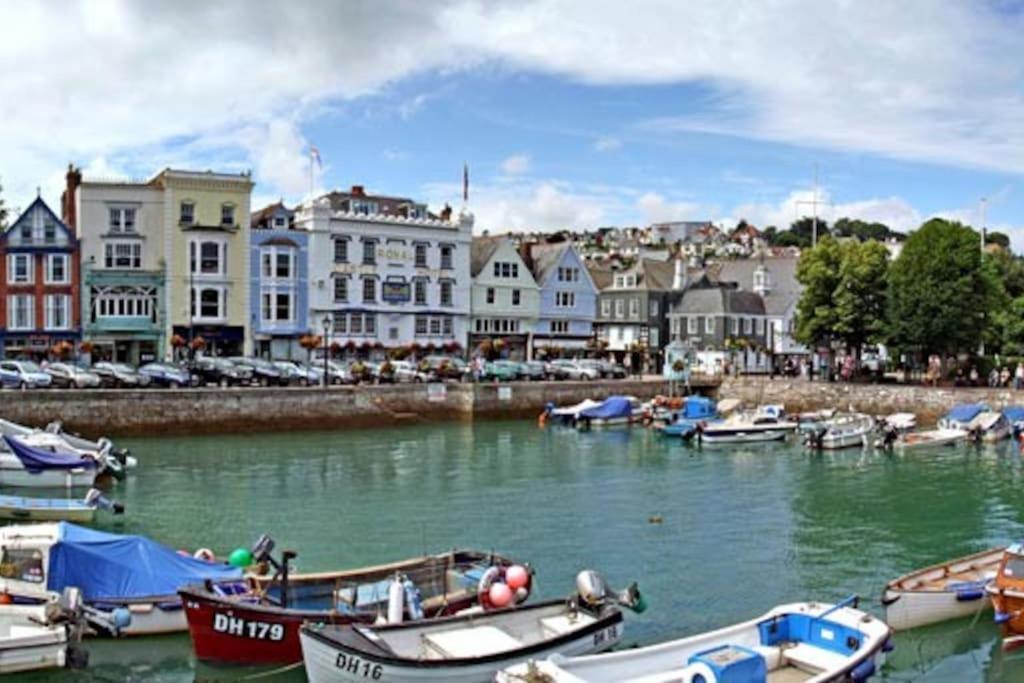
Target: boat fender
414,599
863,671
699,672
890,599
970,595
1002,617
396,601
121,618
493,575
204,554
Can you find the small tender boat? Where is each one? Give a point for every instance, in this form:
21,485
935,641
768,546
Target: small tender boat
114,572
24,509
36,466
842,431
568,414
804,642
47,636
1015,416
989,427
961,415
1007,593
941,592
813,420
257,621
931,438
468,648
115,460
695,410
764,424
614,411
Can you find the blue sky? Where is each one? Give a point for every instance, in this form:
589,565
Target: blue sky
568,115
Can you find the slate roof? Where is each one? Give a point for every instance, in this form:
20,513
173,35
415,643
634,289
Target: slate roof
542,259
481,250
719,300
784,289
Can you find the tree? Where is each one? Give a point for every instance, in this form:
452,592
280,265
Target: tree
804,229
860,296
1000,238
789,239
942,295
819,272
862,230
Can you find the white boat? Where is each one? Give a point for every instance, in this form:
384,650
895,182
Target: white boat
941,592
34,637
55,437
614,411
467,648
803,642
764,424
813,420
931,438
72,471
989,427
568,414
842,431
901,422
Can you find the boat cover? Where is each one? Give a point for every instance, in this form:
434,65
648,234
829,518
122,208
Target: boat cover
113,566
39,459
698,407
611,407
965,412
1014,413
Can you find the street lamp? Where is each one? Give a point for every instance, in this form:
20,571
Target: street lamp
327,332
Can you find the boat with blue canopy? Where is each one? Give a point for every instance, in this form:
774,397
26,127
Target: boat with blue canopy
696,409
112,571
612,412
961,415
1015,416
48,467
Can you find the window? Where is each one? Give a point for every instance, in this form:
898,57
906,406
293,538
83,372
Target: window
421,256
340,288
634,307
284,264
124,302
122,219
421,324
370,323
278,263
746,326
211,304
490,295
364,207
565,299
515,297
355,324
620,308
446,293
709,325
504,269
568,274
435,326
654,308
420,292
19,269
446,257
760,326
735,325
187,215
277,306
227,214
26,233
369,252
606,308
283,307
57,269
559,326
280,222
126,255
691,324
208,258
50,233
58,308
21,312
340,250
24,564
369,289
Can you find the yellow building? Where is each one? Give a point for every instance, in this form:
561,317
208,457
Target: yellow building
206,247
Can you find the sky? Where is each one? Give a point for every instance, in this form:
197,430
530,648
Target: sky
569,114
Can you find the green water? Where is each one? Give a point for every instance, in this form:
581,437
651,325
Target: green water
744,528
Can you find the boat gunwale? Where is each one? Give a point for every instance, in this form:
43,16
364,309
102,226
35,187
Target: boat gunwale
894,585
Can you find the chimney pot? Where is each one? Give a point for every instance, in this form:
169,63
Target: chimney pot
358,191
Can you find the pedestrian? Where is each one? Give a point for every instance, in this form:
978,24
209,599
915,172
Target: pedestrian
1018,376
993,378
974,376
1004,377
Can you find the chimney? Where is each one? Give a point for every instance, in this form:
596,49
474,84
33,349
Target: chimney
679,280
68,212
446,213
358,191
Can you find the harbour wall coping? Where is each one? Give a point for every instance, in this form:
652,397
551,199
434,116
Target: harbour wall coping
928,403
128,412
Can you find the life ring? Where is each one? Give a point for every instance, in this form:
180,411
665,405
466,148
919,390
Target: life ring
496,574
204,554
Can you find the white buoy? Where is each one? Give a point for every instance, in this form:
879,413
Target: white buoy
396,601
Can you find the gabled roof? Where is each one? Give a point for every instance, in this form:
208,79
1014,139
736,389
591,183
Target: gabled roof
722,299
38,202
783,291
601,276
262,217
481,250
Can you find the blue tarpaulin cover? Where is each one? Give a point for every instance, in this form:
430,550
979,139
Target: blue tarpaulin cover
965,412
1014,413
613,406
110,566
699,407
39,459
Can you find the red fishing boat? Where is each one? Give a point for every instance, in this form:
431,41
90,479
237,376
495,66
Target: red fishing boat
256,620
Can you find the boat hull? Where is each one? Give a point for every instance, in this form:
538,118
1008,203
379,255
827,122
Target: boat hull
17,476
744,436
45,510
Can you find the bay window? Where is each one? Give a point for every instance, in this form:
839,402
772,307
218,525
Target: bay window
208,257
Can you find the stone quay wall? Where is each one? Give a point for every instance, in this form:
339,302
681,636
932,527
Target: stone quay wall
127,412
928,403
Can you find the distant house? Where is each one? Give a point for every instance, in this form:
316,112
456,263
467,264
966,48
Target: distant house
632,307
568,296
279,286
505,300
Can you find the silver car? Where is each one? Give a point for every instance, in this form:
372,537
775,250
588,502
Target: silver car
72,376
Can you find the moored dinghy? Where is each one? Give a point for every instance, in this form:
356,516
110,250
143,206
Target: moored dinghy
614,411
931,438
764,424
24,509
941,592
30,466
989,427
695,410
803,642
961,415
1007,593
470,648
842,431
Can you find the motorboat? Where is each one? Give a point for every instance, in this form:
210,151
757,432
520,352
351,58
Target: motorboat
32,465
813,420
989,427
55,436
1007,593
961,415
806,642
931,438
695,410
220,612
116,574
941,592
44,636
1015,416
842,431
463,648
568,415
614,411
81,511
766,423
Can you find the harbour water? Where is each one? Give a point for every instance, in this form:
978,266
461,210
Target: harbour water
741,528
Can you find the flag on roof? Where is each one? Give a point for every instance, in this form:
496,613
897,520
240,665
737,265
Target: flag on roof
314,154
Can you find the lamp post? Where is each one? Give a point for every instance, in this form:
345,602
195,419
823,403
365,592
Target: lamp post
327,332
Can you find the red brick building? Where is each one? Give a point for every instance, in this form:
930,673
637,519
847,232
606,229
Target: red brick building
39,284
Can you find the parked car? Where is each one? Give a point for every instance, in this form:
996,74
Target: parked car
555,371
72,376
499,371
448,368
263,371
120,375
293,372
574,370
168,375
533,371
220,371
338,373
407,371
605,369
24,374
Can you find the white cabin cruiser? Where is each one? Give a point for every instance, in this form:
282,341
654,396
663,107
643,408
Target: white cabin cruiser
842,431
763,424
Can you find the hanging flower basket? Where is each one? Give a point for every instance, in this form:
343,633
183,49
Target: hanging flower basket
366,346
378,345
350,345
198,344
177,341
86,347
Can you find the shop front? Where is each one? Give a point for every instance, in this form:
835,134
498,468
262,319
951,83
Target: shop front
214,340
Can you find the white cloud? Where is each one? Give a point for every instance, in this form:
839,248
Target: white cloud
895,212
517,164
654,208
607,144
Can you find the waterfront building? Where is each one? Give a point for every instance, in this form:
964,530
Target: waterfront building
39,278
632,308
568,297
384,272
506,298
279,283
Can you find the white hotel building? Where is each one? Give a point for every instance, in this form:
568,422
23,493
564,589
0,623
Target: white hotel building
385,272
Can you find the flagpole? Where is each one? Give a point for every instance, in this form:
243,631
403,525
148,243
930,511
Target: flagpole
310,174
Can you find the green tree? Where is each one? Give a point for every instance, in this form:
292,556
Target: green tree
819,272
804,230
1010,270
862,230
860,295
1000,238
1010,322
789,239
942,295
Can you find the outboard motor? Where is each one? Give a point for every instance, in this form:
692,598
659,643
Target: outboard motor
816,438
889,436
594,593
262,553
96,499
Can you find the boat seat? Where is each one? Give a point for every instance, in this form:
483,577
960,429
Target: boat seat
772,656
812,659
465,643
559,625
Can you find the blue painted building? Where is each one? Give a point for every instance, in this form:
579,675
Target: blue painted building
279,284
568,297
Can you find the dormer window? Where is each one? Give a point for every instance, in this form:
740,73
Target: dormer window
187,213
227,214
364,207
